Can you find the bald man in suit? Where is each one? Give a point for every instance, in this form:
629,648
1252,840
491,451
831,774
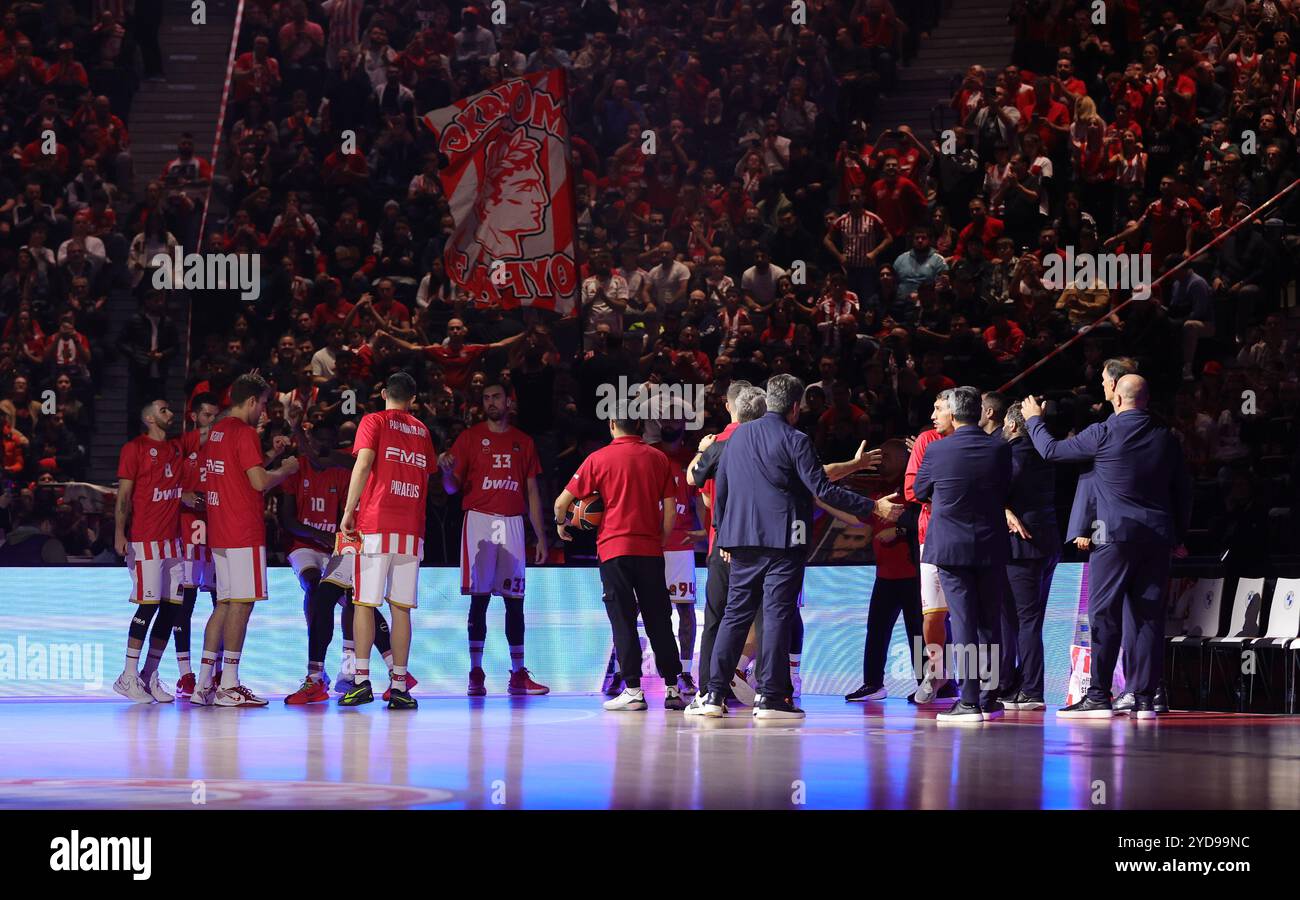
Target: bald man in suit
1143,497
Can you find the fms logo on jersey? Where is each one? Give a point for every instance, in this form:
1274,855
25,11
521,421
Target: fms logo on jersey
104,854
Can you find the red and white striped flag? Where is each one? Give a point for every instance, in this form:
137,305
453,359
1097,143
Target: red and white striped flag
507,180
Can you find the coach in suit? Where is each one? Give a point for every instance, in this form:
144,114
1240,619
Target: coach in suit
1143,497
967,478
766,484
1034,552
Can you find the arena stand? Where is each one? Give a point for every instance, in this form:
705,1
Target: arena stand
765,139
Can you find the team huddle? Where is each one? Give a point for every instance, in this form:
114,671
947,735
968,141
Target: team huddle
190,516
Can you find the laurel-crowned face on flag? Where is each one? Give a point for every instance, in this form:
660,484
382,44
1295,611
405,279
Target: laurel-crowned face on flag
506,178
512,195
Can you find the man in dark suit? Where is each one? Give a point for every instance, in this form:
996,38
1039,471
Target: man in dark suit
967,479
1143,496
766,486
1035,551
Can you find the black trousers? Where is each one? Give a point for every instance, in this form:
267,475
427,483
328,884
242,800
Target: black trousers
1126,585
635,583
769,580
889,597
715,603
1029,581
974,595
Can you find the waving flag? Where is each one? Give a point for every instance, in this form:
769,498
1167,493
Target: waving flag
506,177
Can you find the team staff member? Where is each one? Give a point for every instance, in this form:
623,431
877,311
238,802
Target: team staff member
966,479
1035,551
236,478
496,465
149,493
635,481
934,606
897,586
1143,496
744,404
768,480
395,448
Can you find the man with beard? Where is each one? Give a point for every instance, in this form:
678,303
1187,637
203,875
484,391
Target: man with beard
495,463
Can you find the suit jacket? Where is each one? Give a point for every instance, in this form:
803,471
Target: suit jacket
766,482
966,477
135,340
1143,492
1033,500
1083,511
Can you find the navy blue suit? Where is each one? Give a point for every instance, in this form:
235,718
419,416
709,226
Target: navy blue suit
1143,508
763,508
1031,565
966,477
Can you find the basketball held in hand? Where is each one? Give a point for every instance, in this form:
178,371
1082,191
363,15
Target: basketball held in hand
586,512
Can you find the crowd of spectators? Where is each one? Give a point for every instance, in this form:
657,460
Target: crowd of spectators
776,230
69,72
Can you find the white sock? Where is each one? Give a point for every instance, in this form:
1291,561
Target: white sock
686,666
230,676
183,663
476,654
206,662
388,660
363,670
132,660
516,658
794,663
316,671
350,647
743,664
399,678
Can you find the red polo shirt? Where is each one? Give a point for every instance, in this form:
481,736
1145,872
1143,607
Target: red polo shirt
633,479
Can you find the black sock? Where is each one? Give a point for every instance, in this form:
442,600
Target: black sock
348,613
478,605
140,619
181,624
383,639
796,633
162,625
515,621
320,626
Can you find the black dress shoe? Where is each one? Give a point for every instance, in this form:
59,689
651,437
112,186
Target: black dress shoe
993,709
1022,702
1124,703
776,708
1161,701
964,713
1087,709
865,693
1144,708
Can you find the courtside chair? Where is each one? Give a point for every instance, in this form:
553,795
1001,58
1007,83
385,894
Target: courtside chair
1198,608
1276,649
1224,654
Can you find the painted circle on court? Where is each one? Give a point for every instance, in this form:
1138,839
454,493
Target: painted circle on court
180,793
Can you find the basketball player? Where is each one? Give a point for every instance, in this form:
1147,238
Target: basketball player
196,564
309,511
934,607
149,495
395,448
496,463
236,479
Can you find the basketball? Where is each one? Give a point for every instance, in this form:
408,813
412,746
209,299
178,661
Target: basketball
586,512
